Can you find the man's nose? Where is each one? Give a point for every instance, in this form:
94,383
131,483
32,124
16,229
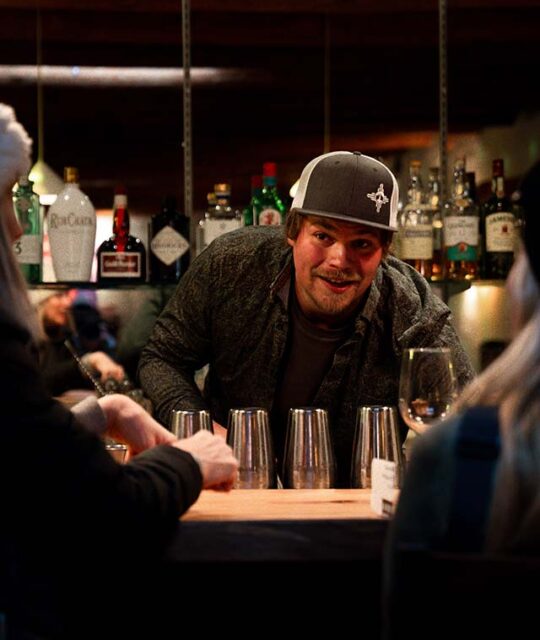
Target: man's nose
338,256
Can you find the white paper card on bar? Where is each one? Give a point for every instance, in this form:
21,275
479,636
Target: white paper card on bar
382,485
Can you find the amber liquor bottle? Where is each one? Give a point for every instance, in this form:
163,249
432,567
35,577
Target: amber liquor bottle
498,228
169,244
461,232
122,258
416,225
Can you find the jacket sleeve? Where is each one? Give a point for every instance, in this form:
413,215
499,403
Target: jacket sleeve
425,321
56,474
180,343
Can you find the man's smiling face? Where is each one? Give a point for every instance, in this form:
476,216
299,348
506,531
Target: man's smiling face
335,263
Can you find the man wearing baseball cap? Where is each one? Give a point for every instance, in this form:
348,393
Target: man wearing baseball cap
318,316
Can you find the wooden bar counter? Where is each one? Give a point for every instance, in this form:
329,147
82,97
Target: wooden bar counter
265,551
282,504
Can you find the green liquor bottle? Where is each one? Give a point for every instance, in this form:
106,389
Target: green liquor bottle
270,209
256,189
29,247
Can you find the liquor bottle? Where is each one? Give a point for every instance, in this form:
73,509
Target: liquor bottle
256,188
71,225
219,218
270,209
461,221
434,204
416,225
121,258
29,247
169,243
498,228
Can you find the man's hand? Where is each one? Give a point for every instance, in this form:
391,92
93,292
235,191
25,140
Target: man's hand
129,423
218,465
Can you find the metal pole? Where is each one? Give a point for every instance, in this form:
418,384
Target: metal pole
326,143
188,156
443,99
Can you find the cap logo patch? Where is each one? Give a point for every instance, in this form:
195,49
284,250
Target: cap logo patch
378,197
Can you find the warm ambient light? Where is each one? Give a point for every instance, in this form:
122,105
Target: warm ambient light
47,183
123,76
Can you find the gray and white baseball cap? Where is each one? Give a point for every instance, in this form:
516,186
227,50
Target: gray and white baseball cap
348,186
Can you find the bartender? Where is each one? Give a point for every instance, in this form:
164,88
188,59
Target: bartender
317,315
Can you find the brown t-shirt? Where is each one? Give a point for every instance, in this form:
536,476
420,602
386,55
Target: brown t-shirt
308,357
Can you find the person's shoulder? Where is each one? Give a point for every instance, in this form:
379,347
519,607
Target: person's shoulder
440,439
409,291
248,249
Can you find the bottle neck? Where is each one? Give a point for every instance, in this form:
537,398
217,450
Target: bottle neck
269,181
497,186
120,217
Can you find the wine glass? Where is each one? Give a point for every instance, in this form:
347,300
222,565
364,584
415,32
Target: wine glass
427,387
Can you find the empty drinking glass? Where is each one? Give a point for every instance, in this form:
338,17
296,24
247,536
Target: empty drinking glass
309,457
248,434
184,423
376,436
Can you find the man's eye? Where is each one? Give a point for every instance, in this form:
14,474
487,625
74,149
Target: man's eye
320,235
363,244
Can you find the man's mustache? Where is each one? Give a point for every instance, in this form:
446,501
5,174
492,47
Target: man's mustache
337,275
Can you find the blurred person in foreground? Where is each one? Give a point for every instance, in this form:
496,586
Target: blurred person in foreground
78,528
473,483
62,319
313,314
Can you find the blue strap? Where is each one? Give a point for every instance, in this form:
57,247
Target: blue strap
476,452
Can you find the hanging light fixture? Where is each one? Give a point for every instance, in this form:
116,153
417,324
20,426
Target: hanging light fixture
47,183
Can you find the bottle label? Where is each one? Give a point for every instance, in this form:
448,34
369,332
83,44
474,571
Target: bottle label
71,222
461,237
168,245
417,242
269,217
500,235
119,265
215,228
28,249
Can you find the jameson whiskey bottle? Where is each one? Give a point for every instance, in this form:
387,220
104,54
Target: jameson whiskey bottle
498,228
461,222
169,244
434,204
122,258
416,225
254,203
72,231
270,209
29,247
219,218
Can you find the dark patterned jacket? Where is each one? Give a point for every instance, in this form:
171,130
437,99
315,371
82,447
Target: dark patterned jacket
230,311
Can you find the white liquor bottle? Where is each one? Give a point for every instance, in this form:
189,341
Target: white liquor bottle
72,231
220,217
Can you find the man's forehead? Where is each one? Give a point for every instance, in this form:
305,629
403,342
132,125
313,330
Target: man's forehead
335,225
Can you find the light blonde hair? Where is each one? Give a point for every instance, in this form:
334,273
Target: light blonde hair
512,382
15,146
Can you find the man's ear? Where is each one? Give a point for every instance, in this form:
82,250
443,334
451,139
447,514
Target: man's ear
291,242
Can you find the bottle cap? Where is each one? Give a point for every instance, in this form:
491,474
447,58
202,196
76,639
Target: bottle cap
71,174
269,169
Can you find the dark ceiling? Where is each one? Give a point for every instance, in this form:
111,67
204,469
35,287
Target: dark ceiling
383,91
